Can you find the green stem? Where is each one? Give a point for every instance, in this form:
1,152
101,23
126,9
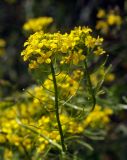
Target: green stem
57,109
91,90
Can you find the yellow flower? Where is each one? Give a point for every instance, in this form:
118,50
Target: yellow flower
113,19
37,24
103,26
110,77
98,117
8,154
27,142
33,64
90,41
101,13
2,138
108,20
41,148
99,51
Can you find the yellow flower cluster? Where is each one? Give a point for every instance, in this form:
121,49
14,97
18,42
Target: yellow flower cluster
98,118
108,20
47,126
39,100
37,24
10,131
66,84
67,48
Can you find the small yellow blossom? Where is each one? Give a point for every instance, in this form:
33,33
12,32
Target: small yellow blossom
8,154
98,117
103,26
41,148
101,13
99,51
113,19
2,138
37,24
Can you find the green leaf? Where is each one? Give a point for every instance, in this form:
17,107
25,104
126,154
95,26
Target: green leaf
85,145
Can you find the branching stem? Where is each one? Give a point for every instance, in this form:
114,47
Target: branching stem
57,108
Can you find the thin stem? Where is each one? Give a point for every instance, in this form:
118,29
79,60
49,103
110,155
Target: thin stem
91,90
57,109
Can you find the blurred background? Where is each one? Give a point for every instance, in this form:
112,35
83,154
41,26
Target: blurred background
107,18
